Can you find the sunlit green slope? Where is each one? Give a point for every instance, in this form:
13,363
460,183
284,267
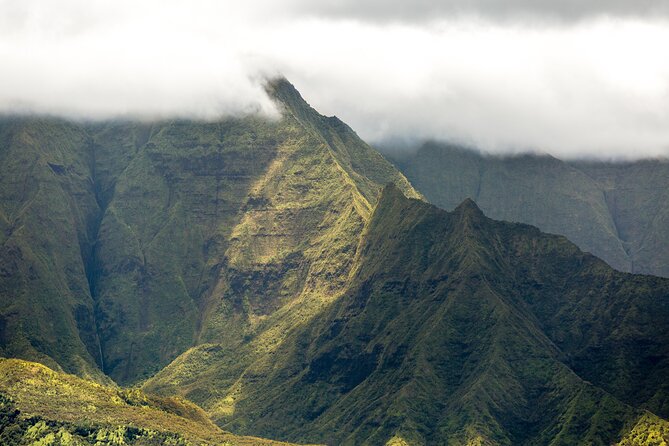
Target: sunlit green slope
41,407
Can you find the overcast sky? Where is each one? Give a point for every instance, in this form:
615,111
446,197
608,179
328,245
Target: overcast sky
572,78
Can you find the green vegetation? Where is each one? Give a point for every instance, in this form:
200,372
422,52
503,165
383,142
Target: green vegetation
648,431
47,225
259,269
455,329
125,244
617,211
40,407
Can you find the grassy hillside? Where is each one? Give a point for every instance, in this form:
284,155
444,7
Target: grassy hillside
41,407
456,329
617,211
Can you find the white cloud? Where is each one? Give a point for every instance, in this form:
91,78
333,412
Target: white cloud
125,58
597,86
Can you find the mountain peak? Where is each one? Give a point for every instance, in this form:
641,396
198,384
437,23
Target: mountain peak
391,192
280,89
469,208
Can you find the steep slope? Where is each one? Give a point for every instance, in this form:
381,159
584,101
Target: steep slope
126,243
216,232
638,198
41,407
459,329
618,211
48,212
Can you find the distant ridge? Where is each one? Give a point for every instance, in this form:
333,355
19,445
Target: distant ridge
617,211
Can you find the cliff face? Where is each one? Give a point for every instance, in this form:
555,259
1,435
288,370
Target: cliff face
127,243
48,221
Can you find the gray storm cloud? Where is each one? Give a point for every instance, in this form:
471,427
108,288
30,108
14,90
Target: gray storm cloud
594,83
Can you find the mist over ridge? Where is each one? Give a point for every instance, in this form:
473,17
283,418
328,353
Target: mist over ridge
573,80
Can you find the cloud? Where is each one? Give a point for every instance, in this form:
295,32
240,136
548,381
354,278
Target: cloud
594,89
431,10
596,86
99,59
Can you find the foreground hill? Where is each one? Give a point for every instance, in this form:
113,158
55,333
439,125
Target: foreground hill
617,211
41,407
456,329
122,244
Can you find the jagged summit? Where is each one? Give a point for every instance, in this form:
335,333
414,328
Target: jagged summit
469,214
617,211
283,91
390,192
468,206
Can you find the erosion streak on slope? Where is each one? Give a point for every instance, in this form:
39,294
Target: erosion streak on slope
46,191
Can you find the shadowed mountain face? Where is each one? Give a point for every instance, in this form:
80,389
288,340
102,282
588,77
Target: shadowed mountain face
123,244
617,211
455,329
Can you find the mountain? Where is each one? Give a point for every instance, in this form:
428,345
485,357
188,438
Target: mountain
283,279
125,243
41,407
617,211
48,219
455,329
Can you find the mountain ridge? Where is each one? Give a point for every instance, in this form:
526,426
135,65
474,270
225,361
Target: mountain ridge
447,334
285,277
618,211
182,228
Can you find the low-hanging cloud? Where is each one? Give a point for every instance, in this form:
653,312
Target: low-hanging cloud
97,59
595,83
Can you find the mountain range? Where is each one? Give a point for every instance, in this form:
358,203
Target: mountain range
280,278
619,211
